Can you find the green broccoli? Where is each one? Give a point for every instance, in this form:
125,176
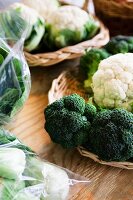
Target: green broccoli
89,64
68,120
120,44
111,135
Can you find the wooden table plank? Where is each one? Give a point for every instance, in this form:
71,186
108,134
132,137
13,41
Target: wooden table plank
107,183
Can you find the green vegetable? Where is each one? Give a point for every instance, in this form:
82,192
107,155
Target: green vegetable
68,120
90,61
9,140
10,188
28,177
111,135
69,25
12,25
120,44
92,28
8,100
5,137
14,83
22,21
34,39
89,64
12,162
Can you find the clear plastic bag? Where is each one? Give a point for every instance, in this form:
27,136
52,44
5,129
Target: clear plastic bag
15,81
17,18
25,177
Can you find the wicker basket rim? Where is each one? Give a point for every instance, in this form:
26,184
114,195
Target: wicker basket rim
123,165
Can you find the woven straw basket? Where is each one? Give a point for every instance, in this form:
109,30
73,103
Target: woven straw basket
117,15
68,83
70,52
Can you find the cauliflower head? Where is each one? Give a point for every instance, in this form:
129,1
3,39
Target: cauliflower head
44,7
54,179
56,182
112,84
35,25
69,25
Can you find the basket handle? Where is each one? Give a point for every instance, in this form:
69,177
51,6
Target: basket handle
85,6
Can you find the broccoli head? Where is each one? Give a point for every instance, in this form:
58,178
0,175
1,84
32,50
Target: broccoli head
120,44
68,120
111,135
89,64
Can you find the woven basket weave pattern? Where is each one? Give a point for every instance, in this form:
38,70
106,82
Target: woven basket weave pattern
67,83
118,17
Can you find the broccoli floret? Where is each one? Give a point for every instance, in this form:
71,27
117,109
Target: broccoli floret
68,120
120,44
90,111
89,64
111,135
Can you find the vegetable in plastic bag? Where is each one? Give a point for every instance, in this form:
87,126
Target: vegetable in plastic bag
40,180
25,195
19,17
14,80
10,188
10,140
12,162
69,25
55,180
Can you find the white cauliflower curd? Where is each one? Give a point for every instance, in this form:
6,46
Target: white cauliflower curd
70,17
44,7
55,180
69,25
112,84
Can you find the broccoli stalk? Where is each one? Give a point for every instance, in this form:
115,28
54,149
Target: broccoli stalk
68,120
111,135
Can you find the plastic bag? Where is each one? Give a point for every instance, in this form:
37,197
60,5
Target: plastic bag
25,177
18,17
15,82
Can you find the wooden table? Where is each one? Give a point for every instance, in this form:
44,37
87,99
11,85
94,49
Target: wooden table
107,183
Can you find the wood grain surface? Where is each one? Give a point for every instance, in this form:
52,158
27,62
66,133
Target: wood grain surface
107,183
